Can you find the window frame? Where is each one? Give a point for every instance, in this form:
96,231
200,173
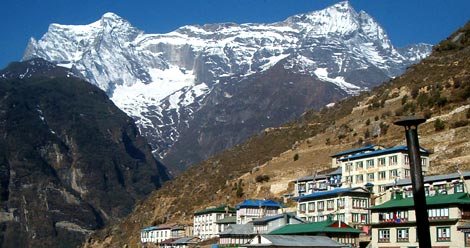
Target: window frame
381,232
407,234
439,237
309,207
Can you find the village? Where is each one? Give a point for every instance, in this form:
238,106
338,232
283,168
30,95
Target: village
364,200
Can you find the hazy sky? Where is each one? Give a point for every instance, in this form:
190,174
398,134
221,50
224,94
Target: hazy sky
405,21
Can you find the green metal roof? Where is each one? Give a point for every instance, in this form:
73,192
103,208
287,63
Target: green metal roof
457,198
219,209
315,227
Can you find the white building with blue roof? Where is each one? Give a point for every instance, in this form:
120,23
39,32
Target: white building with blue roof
336,158
379,168
252,209
148,235
318,182
348,205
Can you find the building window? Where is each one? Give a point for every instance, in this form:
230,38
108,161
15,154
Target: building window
359,203
382,188
330,204
424,162
370,177
349,167
320,205
393,160
384,235
438,213
340,203
393,216
359,165
356,217
407,173
359,178
393,174
402,235
349,179
359,218
340,217
302,208
382,175
301,188
310,186
407,159
322,185
443,233
381,162
370,163
458,188
467,239
311,206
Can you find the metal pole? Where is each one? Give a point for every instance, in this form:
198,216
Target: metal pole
417,182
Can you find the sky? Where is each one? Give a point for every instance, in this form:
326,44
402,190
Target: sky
405,21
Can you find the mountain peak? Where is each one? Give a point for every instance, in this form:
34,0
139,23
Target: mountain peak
113,20
344,5
110,17
339,19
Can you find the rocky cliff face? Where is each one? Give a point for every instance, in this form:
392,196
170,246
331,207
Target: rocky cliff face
164,80
70,160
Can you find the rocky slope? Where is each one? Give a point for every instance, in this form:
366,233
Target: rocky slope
173,83
70,160
437,88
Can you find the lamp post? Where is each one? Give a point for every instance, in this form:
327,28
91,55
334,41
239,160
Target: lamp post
421,211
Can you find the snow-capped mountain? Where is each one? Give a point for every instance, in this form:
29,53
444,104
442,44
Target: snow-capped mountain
164,80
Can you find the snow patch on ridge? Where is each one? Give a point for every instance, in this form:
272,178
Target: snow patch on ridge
322,74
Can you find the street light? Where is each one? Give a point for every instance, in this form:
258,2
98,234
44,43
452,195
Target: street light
421,211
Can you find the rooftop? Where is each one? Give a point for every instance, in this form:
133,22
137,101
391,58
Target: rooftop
334,192
186,240
328,226
259,203
430,179
382,152
148,229
219,209
330,172
238,229
275,217
227,220
451,199
354,151
296,241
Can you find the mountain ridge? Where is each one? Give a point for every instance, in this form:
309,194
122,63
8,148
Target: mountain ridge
161,80
437,88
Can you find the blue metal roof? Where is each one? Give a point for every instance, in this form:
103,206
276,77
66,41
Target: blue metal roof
148,229
258,203
361,149
330,193
381,152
